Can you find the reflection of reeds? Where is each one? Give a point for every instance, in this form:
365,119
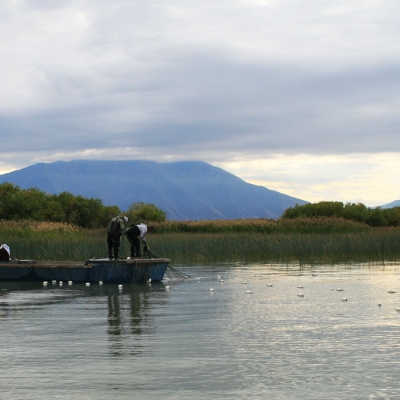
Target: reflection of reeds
307,240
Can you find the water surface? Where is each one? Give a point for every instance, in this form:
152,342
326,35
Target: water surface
293,337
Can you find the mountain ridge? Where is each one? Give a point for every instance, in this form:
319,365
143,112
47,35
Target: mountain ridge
186,190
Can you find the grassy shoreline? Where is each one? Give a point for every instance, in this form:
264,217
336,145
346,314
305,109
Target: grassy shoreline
303,240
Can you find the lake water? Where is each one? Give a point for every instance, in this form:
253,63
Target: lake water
149,342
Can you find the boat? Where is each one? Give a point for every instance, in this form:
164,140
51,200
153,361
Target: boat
121,270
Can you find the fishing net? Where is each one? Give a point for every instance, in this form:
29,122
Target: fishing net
174,274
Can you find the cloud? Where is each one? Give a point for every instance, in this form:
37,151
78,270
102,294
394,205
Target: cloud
371,179
218,81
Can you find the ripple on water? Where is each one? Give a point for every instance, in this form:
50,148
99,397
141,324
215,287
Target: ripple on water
98,342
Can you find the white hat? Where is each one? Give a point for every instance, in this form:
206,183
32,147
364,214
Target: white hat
126,219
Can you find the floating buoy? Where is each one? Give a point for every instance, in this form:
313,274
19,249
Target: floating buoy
391,291
166,287
344,299
54,282
119,286
211,289
70,283
244,283
249,292
199,279
219,276
149,280
269,285
100,283
339,290
60,283
87,284
221,280
45,283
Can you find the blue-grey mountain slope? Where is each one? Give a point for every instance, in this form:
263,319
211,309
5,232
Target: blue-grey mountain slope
395,203
189,190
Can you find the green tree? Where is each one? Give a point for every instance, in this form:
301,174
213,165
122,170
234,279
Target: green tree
145,212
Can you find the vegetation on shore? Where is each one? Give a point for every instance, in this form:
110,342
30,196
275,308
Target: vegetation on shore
37,225
33,204
351,211
304,240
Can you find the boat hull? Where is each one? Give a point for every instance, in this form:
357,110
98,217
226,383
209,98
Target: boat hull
136,270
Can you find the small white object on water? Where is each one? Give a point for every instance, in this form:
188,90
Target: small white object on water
100,283
119,286
149,280
244,283
344,299
211,289
54,282
45,283
60,283
87,283
339,290
70,283
166,287
219,276
199,279
221,280
391,291
249,292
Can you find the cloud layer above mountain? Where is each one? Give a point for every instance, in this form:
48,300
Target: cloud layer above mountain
219,81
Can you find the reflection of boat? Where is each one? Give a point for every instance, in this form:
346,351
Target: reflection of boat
136,270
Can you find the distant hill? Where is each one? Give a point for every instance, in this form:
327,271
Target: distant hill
395,203
189,190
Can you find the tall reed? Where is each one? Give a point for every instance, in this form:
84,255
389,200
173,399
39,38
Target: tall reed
263,240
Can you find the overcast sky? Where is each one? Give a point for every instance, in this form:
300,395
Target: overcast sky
302,97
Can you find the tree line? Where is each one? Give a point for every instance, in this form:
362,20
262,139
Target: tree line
353,211
34,204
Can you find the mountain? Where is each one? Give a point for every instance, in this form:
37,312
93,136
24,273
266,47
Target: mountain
187,190
395,203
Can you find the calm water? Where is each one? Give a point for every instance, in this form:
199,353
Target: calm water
149,342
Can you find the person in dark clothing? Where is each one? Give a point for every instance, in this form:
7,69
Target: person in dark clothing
114,231
4,253
135,235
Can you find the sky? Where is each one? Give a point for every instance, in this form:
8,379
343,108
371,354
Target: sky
299,96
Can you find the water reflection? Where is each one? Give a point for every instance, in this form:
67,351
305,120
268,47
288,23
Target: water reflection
147,342
130,316
129,312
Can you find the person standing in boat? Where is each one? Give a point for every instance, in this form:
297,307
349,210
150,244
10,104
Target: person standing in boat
135,235
5,253
114,231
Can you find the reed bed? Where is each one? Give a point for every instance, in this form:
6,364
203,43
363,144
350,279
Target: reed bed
304,240
299,225
367,246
